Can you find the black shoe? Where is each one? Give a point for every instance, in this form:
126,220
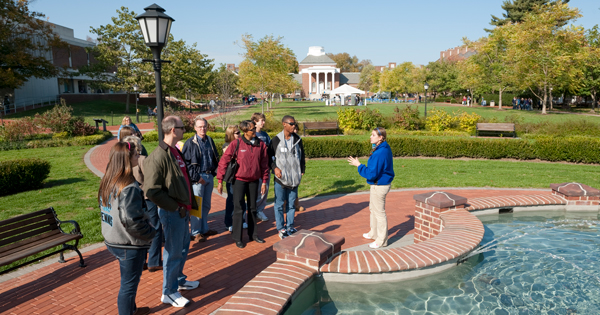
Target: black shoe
259,240
240,244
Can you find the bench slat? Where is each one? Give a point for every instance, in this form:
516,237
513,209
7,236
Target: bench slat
37,247
31,226
28,235
25,216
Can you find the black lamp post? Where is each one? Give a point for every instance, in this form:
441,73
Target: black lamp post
137,112
426,88
155,26
190,103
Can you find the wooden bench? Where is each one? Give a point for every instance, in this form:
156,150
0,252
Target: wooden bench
100,120
29,234
321,125
497,127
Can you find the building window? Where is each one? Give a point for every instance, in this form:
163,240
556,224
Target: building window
314,87
70,62
329,85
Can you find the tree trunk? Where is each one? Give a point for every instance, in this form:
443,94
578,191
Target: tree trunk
544,102
500,99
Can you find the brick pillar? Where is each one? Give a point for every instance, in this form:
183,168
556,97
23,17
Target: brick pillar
579,196
309,248
429,206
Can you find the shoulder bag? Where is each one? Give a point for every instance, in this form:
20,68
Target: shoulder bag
232,167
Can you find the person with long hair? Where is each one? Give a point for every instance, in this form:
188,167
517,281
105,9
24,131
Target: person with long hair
379,173
126,229
126,122
231,133
252,157
154,253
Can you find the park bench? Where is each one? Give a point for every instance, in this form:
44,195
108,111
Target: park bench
496,127
26,235
100,120
321,125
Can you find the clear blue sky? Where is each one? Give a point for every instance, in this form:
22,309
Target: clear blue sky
383,31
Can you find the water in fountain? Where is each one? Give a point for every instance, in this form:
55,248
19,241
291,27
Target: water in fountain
526,265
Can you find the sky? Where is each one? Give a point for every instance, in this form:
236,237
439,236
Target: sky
382,31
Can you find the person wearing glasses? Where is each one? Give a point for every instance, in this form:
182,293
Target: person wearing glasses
167,184
379,173
201,159
288,164
125,224
252,157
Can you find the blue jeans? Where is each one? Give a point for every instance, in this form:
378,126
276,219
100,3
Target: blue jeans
177,244
200,226
261,203
131,263
228,219
281,195
156,247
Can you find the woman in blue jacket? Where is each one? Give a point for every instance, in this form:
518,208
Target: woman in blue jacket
379,174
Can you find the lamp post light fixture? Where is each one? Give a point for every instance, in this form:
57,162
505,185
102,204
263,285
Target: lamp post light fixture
155,26
426,88
137,112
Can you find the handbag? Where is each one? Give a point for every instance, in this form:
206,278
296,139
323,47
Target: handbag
232,167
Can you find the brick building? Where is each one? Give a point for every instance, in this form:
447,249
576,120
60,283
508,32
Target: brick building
456,53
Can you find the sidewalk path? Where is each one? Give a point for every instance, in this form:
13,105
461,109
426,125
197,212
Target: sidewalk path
218,264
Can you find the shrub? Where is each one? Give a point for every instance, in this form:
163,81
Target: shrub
56,119
40,142
367,119
468,122
21,175
19,130
407,118
439,120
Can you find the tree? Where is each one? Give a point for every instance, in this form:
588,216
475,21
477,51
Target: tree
189,69
118,54
591,71
25,43
266,67
547,55
492,60
517,9
442,77
347,63
225,85
399,79
367,78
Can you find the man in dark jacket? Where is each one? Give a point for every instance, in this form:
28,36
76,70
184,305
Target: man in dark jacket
201,159
288,163
167,184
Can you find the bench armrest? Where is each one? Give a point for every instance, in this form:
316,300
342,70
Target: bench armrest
75,230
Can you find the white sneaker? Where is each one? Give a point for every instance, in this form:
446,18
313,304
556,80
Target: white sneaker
262,216
366,235
230,229
374,245
175,299
245,225
189,285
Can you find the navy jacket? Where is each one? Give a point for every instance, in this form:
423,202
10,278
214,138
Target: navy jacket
380,167
192,156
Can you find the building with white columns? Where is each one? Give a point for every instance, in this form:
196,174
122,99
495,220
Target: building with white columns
318,73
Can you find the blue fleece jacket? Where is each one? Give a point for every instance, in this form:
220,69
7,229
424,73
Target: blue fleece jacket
380,169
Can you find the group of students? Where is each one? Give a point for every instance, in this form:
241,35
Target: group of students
145,201
522,103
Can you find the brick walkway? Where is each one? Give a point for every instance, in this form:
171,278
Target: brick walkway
218,264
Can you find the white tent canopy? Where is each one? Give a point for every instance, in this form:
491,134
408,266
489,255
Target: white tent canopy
345,90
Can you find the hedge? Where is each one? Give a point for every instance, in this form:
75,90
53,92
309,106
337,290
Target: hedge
571,149
56,142
21,175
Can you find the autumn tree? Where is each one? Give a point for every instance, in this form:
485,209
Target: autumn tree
398,79
442,76
119,54
26,43
368,76
266,67
224,84
515,11
547,55
347,63
591,71
189,69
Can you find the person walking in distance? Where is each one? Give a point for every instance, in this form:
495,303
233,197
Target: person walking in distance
379,173
201,159
288,165
167,184
259,121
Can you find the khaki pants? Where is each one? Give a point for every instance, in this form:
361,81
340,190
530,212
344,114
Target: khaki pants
379,230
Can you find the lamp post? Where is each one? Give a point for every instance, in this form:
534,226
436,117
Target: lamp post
190,103
137,113
155,26
426,88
